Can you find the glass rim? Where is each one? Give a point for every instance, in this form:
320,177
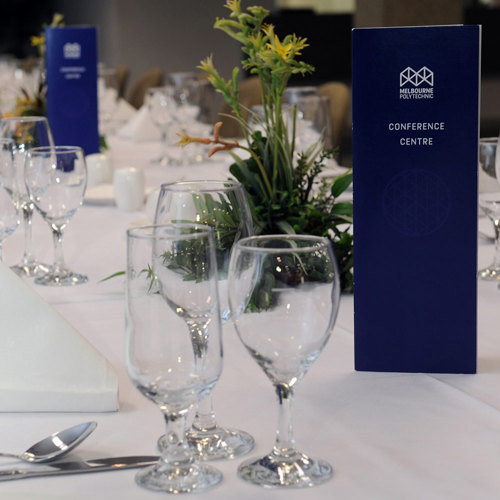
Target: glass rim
183,186
488,140
248,243
147,232
56,149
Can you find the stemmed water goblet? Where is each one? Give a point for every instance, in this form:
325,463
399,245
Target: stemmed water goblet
56,178
173,340
27,132
489,202
284,294
161,106
9,197
223,206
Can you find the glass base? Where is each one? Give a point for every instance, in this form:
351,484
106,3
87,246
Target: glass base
196,478
219,443
66,278
30,269
216,444
162,160
489,274
297,471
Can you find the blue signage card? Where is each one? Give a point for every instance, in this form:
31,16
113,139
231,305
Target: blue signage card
415,157
71,65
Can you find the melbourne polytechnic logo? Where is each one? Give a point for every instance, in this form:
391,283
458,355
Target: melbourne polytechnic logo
72,50
416,84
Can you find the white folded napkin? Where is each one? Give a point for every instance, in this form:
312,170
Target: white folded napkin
125,111
140,127
45,363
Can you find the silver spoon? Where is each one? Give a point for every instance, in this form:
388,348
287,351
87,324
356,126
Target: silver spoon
56,445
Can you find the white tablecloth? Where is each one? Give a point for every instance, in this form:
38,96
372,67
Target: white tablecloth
387,435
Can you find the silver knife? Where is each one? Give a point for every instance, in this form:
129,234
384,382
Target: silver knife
78,467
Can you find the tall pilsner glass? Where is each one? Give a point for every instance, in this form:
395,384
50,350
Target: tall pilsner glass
173,341
223,206
27,132
284,294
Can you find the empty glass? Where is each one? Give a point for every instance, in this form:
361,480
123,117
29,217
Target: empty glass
284,295
161,106
9,197
223,206
27,132
56,178
489,202
107,94
314,120
173,340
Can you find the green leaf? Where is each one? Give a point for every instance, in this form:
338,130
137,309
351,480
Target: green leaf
341,184
285,227
114,275
342,208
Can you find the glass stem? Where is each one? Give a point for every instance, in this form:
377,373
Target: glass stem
496,260
204,419
1,252
28,233
164,144
57,235
176,454
284,445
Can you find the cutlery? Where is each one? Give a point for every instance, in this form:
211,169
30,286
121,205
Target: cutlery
56,445
79,467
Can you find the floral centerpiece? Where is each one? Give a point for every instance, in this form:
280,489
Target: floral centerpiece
282,184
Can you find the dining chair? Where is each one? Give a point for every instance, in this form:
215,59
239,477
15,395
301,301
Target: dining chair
152,78
123,72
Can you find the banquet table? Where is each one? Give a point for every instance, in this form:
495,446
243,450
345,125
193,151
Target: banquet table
387,435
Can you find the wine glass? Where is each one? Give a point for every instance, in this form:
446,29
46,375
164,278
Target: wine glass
284,295
107,92
56,178
489,201
9,197
223,206
27,132
173,340
161,106
314,120
190,112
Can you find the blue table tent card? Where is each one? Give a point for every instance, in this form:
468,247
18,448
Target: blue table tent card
71,61
415,157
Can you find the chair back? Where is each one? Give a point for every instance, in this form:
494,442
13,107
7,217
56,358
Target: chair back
152,78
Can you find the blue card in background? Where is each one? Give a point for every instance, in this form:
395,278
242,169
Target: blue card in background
415,157
71,62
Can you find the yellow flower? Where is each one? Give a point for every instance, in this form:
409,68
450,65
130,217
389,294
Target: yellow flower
57,20
234,6
37,41
283,50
